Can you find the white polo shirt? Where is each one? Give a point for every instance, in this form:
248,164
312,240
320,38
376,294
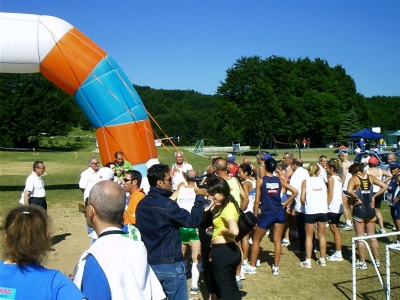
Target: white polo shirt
35,185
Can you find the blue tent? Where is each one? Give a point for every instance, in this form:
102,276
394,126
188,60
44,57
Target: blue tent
366,133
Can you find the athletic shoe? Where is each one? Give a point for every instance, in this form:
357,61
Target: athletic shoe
347,227
242,277
396,242
268,232
378,263
194,290
250,270
361,265
382,230
305,264
275,270
258,263
394,228
299,252
321,262
335,257
239,284
245,263
285,243
250,241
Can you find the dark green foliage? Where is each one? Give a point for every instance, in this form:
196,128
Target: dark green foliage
30,105
261,100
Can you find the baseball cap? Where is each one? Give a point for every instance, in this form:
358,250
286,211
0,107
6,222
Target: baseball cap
394,164
152,162
232,156
268,156
373,160
105,174
366,151
342,152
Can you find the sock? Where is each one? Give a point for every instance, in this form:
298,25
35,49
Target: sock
195,274
237,277
339,253
245,262
308,260
348,222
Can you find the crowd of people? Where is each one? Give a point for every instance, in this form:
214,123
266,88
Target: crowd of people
141,227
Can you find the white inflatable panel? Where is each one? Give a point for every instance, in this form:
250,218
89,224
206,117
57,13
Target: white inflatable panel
26,39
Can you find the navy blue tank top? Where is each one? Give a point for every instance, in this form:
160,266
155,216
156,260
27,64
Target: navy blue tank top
364,211
270,195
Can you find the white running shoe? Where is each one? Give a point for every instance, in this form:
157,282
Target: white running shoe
347,227
335,257
382,230
361,265
378,263
305,264
250,270
321,262
285,243
275,270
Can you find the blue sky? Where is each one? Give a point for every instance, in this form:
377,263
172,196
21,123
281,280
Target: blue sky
190,44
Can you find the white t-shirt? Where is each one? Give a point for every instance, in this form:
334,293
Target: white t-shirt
295,181
35,185
322,173
316,196
177,174
85,176
186,197
336,205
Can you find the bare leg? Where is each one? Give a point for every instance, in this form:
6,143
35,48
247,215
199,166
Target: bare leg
359,229
379,217
374,242
278,231
322,239
346,209
255,249
309,239
336,236
245,247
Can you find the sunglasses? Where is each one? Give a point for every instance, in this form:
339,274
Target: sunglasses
127,180
95,163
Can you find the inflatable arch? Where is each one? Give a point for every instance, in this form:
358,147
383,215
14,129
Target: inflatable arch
69,59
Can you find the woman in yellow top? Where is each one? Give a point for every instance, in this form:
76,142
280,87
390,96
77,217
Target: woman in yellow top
225,254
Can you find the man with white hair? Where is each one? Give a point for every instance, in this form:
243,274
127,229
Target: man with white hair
85,175
178,168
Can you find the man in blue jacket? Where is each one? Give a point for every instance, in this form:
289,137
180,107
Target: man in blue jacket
158,219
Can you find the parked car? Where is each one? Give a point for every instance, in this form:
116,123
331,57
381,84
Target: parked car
381,155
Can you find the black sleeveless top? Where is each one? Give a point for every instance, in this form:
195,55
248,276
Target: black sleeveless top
364,211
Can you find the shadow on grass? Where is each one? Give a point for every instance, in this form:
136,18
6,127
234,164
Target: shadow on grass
14,188
364,288
59,238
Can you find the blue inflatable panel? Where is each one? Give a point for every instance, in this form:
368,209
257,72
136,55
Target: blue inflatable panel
112,92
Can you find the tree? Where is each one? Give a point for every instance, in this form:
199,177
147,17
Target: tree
30,105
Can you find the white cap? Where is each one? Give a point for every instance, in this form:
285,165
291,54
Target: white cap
105,174
152,162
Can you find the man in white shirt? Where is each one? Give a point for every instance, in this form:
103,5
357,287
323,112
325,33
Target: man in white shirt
35,193
178,168
299,174
85,175
323,160
365,159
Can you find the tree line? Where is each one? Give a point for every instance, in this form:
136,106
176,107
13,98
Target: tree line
259,102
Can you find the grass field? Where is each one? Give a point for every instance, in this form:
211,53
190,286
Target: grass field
69,236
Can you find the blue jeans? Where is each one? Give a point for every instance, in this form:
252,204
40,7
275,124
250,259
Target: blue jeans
173,280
